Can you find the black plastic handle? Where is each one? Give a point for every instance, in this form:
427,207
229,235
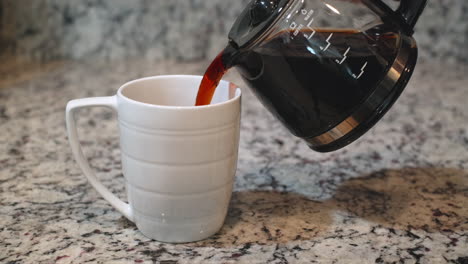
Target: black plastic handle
410,10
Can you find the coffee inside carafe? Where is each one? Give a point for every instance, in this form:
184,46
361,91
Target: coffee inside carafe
310,86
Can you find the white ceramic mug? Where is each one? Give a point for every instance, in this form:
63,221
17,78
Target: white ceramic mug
178,160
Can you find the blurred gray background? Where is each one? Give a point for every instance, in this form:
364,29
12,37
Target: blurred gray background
183,30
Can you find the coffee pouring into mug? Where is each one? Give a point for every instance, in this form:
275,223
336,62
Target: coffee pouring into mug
327,69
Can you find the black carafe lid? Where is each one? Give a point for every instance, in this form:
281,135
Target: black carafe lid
254,20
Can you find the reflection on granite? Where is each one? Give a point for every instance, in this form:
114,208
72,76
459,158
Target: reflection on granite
399,194
188,30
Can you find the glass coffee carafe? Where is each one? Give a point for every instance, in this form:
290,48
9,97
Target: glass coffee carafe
327,69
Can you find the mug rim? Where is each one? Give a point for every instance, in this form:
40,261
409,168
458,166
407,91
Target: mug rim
237,95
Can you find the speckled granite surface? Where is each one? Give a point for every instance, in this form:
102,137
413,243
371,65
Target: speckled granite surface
182,29
398,195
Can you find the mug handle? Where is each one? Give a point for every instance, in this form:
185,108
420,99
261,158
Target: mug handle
72,106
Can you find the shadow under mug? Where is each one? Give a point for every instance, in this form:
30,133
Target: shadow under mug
178,160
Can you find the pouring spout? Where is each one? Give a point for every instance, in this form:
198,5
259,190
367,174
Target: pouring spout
231,55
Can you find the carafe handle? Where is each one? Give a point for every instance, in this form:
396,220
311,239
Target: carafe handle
410,10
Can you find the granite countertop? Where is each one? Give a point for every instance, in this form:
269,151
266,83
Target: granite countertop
398,195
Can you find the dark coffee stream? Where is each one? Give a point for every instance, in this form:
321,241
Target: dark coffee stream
210,80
